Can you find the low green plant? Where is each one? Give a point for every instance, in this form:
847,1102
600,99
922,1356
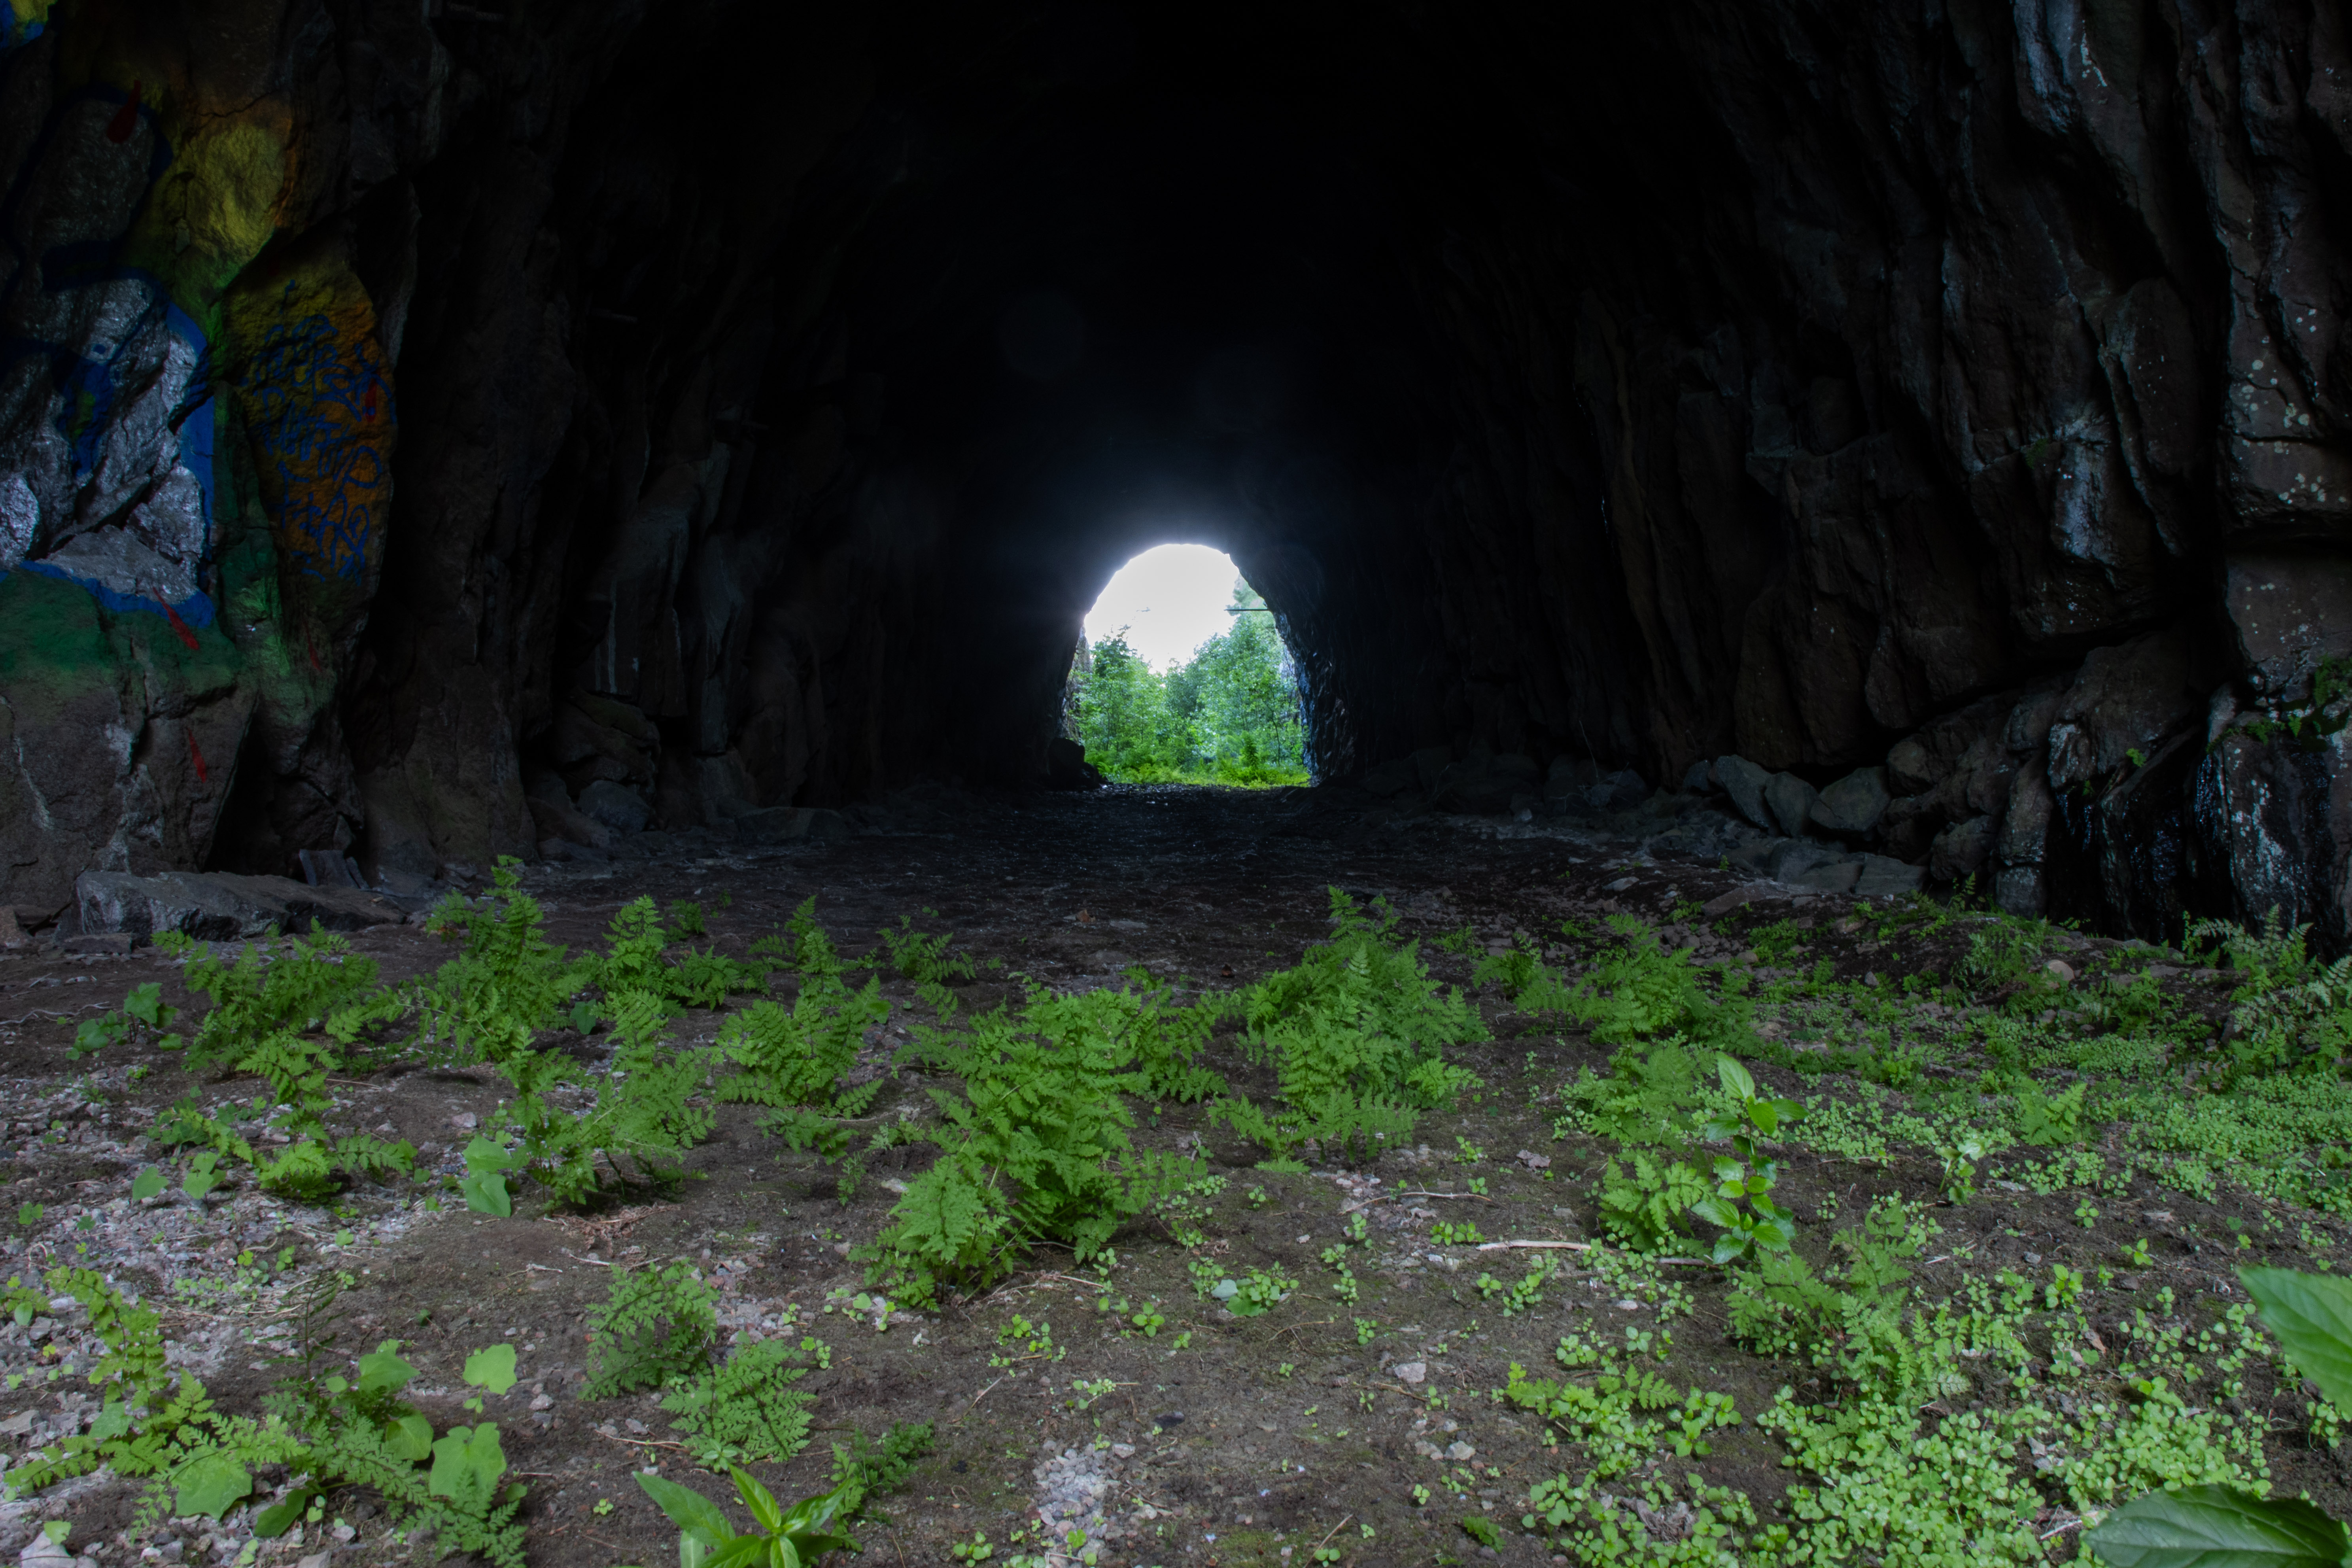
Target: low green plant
745,1410
1358,1032
656,1324
144,1013
924,959
1636,989
779,1538
1746,1176
1648,1097
1644,1205
2225,1526
866,1468
1035,1148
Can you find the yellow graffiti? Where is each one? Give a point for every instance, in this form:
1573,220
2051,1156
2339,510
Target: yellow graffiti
30,11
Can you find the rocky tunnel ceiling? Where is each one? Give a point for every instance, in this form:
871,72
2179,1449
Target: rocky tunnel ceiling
414,415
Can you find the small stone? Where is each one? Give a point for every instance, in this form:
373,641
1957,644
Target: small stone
634,1425
1629,1305
1413,1372
2063,970
464,1122
1458,1450
1533,1161
542,1402
317,1560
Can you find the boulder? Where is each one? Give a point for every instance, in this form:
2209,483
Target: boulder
565,822
1430,763
1391,777
1883,877
328,868
1617,791
1066,767
791,824
1483,785
1789,799
217,906
1961,849
616,805
1699,777
1853,803
1744,781
11,933
1829,876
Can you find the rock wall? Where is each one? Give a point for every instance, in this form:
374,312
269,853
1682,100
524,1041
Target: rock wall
433,430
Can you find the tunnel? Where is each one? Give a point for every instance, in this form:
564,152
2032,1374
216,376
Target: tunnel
418,419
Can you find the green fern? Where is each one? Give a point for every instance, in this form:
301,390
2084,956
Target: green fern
657,1324
310,983
1358,1032
864,1468
746,1411
1644,1208
1035,1150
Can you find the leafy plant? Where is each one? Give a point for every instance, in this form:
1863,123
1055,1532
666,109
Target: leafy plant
144,1011
1036,1147
1746,1177
1643,1206
865,1468
780,1537
1635,990
924,958
656,1324
746,1410
315,981
2219,1526
1357,1032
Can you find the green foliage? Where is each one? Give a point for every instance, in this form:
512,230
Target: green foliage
1229,715
797,1058
746,1410
656,1324
1648,1097
1782,1307
162,1429
1746,1177
924,959
506,983
144,1013
1643,1207
315,983
864,1468
780,1537
1634,990
1357,1032
2289,1012
1035,1148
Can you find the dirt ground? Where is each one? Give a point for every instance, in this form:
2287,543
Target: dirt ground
1214,1439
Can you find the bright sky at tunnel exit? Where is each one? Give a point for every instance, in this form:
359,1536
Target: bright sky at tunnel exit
1171,599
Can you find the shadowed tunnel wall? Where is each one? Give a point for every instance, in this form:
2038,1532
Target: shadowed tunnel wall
407,412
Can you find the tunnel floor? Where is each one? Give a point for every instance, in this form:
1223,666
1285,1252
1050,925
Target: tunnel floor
1363,1429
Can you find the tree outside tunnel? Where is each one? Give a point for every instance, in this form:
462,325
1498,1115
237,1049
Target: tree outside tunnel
1228,715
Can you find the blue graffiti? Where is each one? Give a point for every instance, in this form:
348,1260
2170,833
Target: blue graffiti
310,407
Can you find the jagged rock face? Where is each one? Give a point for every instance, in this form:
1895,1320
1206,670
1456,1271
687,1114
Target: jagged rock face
1940,407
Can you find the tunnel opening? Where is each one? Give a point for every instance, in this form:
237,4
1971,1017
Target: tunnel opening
1182,675
736,413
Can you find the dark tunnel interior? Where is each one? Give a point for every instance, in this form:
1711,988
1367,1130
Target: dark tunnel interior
735,408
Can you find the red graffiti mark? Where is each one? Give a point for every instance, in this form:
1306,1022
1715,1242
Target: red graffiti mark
178,625
311,645
126,119
367,403
196,755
